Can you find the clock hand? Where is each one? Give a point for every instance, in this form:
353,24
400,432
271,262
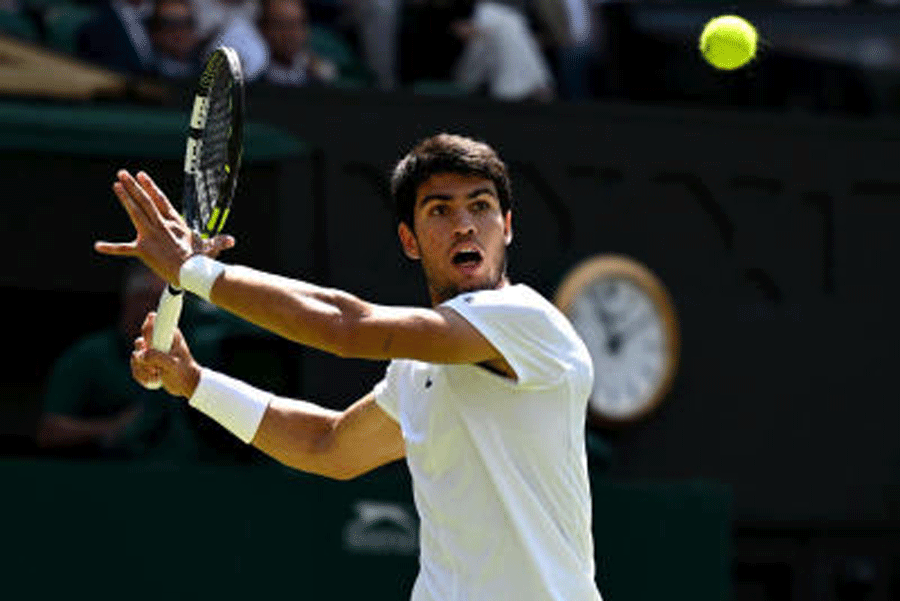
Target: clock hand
606,319
614,343
634,327
616,338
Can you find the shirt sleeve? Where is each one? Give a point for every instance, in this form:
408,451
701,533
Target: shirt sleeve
522,327
385,393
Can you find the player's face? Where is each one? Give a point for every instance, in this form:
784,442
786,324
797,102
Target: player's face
460,236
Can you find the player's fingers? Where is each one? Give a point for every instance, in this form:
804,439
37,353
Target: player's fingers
138,217
147,326
180,347
218,244
157,196
141,370
158,360
139,197
119,249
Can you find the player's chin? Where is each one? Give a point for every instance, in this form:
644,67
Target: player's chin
475,282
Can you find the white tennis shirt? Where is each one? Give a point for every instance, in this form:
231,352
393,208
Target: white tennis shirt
498,466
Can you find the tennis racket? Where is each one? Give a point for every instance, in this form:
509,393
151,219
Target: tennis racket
212,160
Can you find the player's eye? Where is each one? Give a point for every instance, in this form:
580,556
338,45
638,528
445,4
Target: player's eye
438,210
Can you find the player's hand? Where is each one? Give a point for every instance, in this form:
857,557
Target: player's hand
215,245
210,247
177,370
163,241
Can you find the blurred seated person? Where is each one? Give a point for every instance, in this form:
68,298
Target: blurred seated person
117,38
214,15
176,46
501,53
576,34
233,23
93,408
285,27
378,24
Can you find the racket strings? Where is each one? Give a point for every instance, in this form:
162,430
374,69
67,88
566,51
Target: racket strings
214,164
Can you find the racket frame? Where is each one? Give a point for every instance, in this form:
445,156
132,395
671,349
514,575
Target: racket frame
171,300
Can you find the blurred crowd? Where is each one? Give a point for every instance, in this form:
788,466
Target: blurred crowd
538,50
506,49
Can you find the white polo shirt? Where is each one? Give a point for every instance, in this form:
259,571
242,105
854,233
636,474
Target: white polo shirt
498,466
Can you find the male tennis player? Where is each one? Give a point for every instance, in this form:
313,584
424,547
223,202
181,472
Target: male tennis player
485,394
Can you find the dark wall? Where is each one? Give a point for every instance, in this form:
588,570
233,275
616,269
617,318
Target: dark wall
774,234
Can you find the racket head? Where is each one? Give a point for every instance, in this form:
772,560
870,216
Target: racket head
215,143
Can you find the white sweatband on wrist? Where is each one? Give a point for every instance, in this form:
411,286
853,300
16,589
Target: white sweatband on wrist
199,273
234,404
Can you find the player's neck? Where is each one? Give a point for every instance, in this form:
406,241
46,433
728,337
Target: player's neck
442,295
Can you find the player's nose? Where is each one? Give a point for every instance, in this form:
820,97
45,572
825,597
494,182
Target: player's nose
464,223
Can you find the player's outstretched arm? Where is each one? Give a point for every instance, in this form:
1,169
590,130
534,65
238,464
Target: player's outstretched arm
299,434
323,318
340,323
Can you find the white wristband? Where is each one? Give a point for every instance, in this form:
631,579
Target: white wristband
234,404
199,273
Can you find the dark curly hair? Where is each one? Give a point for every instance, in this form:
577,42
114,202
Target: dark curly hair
446,153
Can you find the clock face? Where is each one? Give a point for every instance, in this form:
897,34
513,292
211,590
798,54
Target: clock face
626,337
626,318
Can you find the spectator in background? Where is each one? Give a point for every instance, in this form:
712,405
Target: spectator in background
574,34
502,54
176,45
285,27
92,405
378,28
117,37
233,23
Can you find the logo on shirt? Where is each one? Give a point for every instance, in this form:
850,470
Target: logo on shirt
382,528
428,383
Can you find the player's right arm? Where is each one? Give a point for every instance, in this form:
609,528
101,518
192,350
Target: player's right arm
340,445
299,434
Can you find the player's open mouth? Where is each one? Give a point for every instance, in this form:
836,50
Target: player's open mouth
467,259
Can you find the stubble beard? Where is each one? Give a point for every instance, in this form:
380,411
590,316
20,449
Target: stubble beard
442,293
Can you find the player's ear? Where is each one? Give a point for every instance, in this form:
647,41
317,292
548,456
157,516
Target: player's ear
507,228
409,242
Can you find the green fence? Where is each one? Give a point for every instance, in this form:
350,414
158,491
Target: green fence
132,531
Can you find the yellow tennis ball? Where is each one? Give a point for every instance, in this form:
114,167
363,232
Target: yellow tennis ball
728,42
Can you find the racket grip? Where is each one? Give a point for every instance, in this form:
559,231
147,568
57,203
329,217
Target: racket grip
167,314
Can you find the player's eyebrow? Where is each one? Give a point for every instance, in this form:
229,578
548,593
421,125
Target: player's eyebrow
439,196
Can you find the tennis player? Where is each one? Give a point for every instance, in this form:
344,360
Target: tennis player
484,396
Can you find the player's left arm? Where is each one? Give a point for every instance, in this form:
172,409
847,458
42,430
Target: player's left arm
324,318
345,325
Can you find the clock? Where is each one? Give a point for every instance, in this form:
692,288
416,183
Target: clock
626,317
